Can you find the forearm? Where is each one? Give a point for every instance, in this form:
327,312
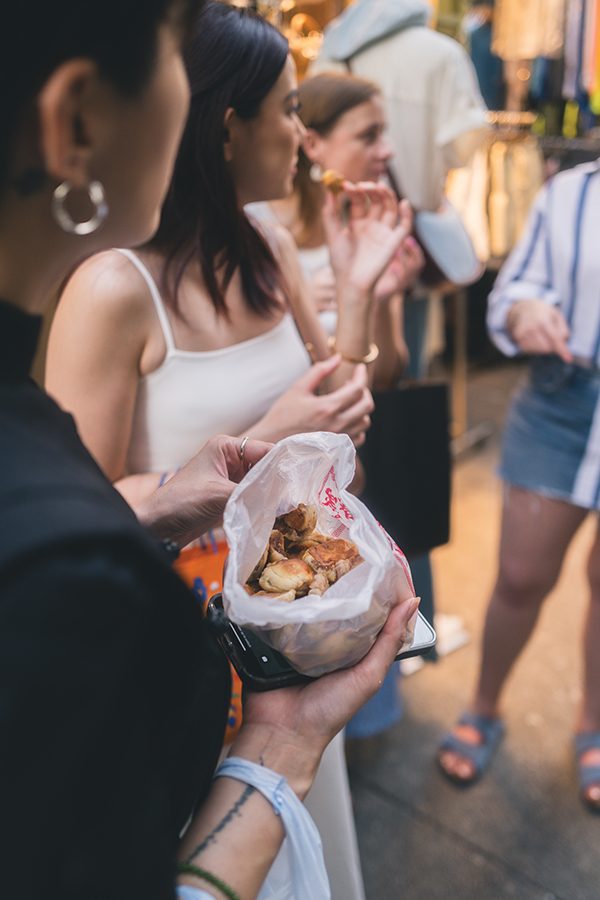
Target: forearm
354,333
389,338
237,834
137,488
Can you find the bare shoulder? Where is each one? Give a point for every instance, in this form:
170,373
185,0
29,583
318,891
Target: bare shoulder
110,288
284,247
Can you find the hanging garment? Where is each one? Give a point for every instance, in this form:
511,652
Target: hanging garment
526,29
525,178
467,189
487,65
494,194
499,202
573,35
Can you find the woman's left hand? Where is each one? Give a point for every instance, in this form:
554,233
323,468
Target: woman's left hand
193,500
365,227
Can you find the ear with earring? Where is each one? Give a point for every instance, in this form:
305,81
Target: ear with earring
63,218
316,173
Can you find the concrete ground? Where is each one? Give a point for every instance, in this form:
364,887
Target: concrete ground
522,831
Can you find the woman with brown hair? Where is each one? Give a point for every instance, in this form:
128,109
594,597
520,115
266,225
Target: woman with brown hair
345,132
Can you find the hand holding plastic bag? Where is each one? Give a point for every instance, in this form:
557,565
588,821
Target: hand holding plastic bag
317,634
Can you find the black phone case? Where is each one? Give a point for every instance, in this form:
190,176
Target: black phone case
259,666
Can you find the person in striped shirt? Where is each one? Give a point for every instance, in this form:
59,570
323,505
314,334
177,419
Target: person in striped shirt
545,304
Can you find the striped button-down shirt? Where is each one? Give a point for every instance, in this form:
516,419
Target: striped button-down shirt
558,261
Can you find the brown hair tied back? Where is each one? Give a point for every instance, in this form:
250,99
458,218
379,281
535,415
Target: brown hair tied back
324,99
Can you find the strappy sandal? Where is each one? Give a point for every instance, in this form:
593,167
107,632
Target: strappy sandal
480,755
588,774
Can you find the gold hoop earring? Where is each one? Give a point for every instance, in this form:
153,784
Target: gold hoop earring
64,219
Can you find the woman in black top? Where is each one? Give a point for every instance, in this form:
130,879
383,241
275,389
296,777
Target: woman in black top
112,698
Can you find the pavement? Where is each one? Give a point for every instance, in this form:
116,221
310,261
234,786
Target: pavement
521,832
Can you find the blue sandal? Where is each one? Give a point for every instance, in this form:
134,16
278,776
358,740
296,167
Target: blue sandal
491,731
588,774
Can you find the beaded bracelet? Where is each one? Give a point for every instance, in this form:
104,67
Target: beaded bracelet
189,869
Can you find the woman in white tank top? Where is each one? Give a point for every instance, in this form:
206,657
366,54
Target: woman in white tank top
210,329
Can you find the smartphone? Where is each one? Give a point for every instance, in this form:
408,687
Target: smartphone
263,669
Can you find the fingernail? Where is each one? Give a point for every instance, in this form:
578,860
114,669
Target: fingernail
412,605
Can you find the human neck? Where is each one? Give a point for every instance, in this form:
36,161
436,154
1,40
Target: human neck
34,256
287,212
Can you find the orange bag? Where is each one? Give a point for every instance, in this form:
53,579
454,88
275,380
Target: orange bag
201,567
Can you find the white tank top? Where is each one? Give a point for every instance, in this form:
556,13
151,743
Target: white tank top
194,395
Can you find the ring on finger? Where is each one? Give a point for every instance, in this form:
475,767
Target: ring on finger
242,450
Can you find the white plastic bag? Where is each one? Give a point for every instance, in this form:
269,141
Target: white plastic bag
317,634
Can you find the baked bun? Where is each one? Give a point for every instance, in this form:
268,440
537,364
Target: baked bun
287,575
324,556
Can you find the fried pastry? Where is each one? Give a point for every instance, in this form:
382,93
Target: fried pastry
318,585
309,541
257,570
333,181
276,548
325,556
299,560
287,575
285,596
297,523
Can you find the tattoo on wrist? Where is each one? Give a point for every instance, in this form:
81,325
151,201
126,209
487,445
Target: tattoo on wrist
227,818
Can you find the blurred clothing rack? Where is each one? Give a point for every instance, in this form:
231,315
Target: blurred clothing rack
507,118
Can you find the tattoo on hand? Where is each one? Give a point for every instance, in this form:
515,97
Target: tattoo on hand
227,818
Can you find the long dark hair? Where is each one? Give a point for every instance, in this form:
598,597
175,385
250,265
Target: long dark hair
233,61
36,36
324,99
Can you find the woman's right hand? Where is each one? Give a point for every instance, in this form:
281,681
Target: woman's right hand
302,409
288,729
365,226
539,328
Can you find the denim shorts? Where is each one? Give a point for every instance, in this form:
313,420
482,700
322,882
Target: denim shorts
551,442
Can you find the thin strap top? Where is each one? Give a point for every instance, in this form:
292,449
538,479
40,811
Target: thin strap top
195,395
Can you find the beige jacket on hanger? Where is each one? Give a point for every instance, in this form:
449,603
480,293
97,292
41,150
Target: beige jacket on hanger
526,29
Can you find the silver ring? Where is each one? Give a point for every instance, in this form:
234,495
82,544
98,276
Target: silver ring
242,450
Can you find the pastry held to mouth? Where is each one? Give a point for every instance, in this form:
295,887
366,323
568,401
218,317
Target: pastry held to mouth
333,181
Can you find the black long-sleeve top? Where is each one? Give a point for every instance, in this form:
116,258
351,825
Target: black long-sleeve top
113,695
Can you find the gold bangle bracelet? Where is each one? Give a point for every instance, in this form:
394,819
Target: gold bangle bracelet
370,357
310,349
